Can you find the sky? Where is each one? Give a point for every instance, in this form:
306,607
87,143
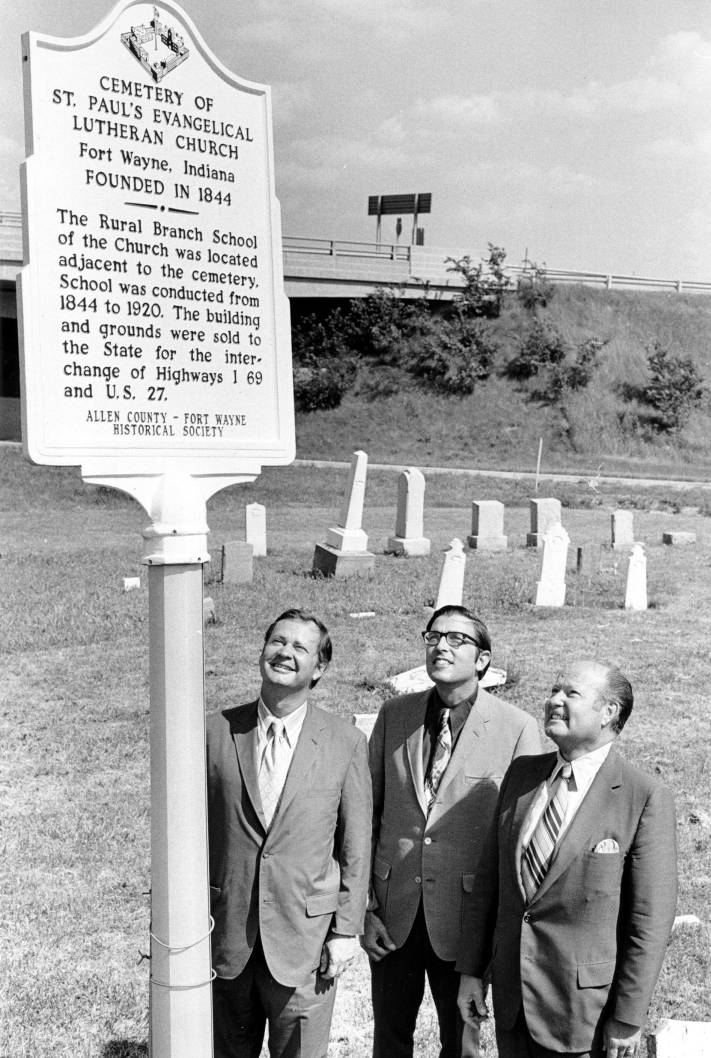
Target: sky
577,132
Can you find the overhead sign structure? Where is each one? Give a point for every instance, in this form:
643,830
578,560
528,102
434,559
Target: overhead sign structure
384,205
155,353
154,319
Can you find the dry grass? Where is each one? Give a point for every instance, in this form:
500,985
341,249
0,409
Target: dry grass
74,792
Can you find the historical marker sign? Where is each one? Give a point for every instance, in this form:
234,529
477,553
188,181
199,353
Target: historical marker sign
154,322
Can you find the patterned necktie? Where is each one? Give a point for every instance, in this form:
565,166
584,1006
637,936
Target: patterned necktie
537,855
273,769
440,758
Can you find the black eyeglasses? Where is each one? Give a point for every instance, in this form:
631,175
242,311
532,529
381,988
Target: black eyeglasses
453,639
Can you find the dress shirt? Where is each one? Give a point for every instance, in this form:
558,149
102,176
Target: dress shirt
585,769
292,728
457,718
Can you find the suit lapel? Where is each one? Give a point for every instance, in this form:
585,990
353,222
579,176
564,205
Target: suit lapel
413,723
469,739
306,752
244,737
594,806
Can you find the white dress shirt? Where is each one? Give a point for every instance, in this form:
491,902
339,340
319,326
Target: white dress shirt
584,770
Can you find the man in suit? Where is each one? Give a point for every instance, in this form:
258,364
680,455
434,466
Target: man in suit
436,760
576,893
289,809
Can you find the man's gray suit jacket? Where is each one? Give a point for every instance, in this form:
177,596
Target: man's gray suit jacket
433,857
591,942
305,875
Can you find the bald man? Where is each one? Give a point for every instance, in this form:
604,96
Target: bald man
576,892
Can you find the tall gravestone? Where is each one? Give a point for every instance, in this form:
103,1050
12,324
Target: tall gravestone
636,589
451,580
255,528
409,538
544,514
550,590
487,526
155,354
345,552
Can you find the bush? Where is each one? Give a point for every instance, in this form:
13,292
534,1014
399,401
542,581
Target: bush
451,355
674,389
543,347
379,324
534,290
324,368
485,286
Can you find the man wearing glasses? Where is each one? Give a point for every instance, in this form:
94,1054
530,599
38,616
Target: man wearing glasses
437,758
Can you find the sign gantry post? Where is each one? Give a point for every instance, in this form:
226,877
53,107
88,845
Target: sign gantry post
155,354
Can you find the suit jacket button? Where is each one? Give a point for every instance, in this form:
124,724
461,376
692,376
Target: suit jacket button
417,879
527,916
428,841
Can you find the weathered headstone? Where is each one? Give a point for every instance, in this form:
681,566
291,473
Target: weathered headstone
544,514
451,578
550,590
365,722
208,611
237,566
255,532
680,1039
678,539
636,591
131,583
487,526
409,538
622,529
417,680
345,552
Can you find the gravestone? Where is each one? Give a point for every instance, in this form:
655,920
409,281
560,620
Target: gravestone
208,611
409,538
544,514
237,566
680,1039
678,539
622,529
365,722
487,526
550,590
451,578
131,583
345,552
255,522
636,592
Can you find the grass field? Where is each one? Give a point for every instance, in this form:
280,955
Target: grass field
74,766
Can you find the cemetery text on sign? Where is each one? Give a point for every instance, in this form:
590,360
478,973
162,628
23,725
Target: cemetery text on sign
154,317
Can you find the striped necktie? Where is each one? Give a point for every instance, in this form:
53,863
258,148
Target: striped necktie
440,758
537,855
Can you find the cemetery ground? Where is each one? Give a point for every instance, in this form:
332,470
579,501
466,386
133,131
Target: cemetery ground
74,765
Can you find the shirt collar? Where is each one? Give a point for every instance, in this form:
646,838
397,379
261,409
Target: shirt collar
584,766
292,723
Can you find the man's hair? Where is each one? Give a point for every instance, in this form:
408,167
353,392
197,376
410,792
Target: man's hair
618,690
325,647
481,632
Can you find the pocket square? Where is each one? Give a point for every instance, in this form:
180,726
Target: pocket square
607,845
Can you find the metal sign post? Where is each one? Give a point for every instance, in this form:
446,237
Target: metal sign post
155,354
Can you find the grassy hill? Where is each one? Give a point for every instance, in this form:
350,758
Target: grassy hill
500,424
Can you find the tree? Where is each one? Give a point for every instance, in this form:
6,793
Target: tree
675,387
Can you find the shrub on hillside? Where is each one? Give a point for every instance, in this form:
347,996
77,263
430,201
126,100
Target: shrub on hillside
534,289
674,389
324,366
558,368
485,284
379,324
451,355
543,347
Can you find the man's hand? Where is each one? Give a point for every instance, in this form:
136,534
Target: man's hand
472,1000
337,955
376,940
620,1040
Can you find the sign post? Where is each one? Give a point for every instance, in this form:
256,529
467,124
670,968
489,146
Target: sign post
155,354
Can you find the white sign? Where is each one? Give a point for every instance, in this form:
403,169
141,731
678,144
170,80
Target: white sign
153,317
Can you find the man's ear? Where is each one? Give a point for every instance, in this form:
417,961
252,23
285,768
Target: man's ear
318,673
609,713
483,660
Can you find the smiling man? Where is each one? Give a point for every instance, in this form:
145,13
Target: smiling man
576,893
437,759
289,812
